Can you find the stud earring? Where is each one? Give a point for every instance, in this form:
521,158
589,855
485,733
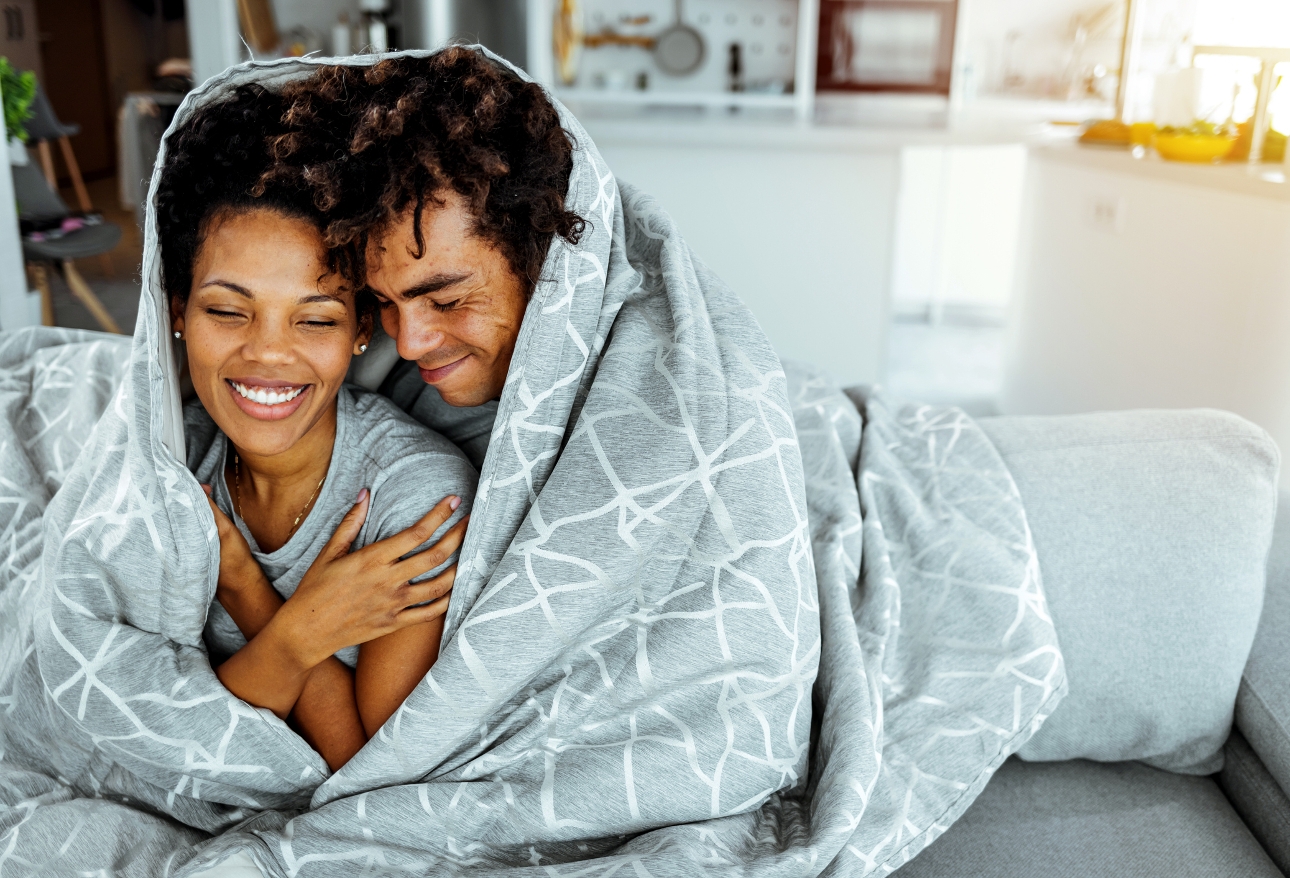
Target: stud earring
362,349
178,334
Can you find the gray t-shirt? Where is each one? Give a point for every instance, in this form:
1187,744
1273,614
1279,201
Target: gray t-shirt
470,427
407,467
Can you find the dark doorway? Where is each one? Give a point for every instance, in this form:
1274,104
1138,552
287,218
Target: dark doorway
74,56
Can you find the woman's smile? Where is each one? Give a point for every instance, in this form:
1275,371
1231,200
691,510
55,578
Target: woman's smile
267,400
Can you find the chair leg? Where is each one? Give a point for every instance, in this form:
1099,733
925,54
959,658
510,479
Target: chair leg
40,276
82,194
81,290
47,163
69,158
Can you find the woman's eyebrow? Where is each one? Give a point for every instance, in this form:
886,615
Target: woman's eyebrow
319,297
228,285
434,284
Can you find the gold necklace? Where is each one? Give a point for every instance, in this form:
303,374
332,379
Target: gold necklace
237,493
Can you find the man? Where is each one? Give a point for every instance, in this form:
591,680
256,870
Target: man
445,178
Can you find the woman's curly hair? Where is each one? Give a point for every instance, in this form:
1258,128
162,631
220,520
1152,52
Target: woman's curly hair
372,143
214,165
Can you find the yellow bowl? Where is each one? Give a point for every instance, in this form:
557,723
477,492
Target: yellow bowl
1205,148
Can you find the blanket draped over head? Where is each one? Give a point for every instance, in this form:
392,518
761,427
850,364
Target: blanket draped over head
711,611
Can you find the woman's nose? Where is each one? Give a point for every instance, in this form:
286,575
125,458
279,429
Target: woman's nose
269,344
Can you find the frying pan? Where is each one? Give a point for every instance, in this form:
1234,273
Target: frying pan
679,50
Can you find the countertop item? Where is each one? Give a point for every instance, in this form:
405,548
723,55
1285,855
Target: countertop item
1198,148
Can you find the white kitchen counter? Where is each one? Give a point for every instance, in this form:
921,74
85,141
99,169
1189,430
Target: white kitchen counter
840,128
1266,180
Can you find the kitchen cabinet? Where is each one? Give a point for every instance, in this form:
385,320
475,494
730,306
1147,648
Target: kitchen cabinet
803,236
1149,284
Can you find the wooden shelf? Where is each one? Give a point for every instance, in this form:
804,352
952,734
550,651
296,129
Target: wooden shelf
541,66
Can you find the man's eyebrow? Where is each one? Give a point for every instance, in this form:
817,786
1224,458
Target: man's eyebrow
433,285
229,285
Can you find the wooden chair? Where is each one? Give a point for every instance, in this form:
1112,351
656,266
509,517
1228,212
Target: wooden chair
43,127
38,203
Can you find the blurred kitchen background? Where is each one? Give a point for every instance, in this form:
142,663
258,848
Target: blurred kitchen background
1018,206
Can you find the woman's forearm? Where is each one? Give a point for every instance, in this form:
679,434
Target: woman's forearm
390,667
326,716
324,711
268,672
251,603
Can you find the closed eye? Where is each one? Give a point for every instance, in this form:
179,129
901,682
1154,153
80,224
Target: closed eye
445,306
216,312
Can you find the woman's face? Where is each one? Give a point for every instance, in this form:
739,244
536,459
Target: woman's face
270,331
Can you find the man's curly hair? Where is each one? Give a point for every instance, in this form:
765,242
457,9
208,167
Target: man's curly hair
372,143
214,165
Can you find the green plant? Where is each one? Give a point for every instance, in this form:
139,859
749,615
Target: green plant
18,90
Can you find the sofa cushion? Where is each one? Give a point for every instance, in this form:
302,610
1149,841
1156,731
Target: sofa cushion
1083,818
1152,530
1263,704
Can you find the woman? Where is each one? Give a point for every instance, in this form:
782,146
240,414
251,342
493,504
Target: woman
270,319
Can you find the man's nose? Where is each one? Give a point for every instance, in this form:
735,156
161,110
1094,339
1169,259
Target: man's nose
415,334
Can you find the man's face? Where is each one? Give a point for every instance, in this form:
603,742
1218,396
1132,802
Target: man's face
457,310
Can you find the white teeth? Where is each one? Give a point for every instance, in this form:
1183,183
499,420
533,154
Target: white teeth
267,397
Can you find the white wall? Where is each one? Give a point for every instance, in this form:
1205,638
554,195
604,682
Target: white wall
19,307
214,38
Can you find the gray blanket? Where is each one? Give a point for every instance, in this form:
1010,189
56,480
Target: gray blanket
710,611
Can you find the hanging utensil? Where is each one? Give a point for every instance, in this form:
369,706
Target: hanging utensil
566,38
679,50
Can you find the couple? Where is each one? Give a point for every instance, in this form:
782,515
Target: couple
233,633
323,488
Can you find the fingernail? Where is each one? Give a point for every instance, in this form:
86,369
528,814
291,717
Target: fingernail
362,495
454,502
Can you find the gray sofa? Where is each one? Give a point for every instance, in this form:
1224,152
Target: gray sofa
1152,530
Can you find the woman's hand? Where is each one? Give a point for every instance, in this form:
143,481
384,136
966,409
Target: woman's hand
237,566
350,598
243,589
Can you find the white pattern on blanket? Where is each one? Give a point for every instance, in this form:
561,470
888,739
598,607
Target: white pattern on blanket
684,632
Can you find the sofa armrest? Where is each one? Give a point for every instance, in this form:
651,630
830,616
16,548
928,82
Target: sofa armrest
1257,798
1263,701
